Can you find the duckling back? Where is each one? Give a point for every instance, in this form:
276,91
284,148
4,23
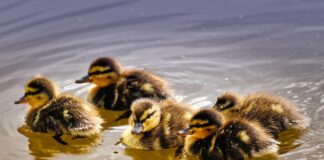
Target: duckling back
239,139
175,117
274,113
67,114
135,84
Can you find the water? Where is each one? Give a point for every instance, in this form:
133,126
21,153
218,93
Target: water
201,47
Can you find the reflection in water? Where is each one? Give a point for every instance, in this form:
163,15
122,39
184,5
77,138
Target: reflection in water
287,143
167,154
266,157
42,145
110,117
202,49
288,139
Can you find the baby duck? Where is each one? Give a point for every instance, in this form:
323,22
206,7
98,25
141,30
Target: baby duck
273,113
211,137
115,89
154,125
52,112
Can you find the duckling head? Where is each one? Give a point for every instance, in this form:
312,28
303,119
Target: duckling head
228,103
203,124
146,115
38,92
102,72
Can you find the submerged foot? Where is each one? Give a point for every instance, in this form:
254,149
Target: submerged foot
178,152
59,140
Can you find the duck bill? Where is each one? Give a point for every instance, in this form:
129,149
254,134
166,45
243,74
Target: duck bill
184,132
21,100
137,129
85,79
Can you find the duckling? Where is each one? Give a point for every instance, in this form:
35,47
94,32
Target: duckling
273,113
229,104
154,125
210,136
52,112
116,89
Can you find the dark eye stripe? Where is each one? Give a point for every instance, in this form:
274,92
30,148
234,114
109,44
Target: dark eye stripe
32,93
200,125
99,72
223,102
147,117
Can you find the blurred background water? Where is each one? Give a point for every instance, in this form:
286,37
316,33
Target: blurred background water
202,48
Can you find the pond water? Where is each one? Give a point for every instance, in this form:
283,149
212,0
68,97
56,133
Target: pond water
202,48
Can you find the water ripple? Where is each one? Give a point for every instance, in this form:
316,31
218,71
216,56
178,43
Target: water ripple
201,49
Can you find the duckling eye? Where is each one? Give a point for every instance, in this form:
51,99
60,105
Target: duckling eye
147,117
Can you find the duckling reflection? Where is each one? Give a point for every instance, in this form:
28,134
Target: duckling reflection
154,125
273,113
167,154
212,137
288,139
42,146
50,112
115,89
110,118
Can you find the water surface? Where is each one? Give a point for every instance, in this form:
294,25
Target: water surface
202,48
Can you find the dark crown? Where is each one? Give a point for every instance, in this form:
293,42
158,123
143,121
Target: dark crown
213,117
42,85
107,62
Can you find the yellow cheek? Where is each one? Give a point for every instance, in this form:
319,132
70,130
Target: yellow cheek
199,133
38,100
102,80
146,125
228,113
150,124
202,133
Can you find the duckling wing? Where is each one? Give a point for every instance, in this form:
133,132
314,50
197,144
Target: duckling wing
274,113
49,117
239,138
139,84
175,117
67,113
102,97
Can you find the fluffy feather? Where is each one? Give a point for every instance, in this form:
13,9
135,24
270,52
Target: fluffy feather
170,117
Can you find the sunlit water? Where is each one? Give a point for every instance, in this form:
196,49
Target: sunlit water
202,48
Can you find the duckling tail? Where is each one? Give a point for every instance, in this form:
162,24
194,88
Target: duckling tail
302,124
